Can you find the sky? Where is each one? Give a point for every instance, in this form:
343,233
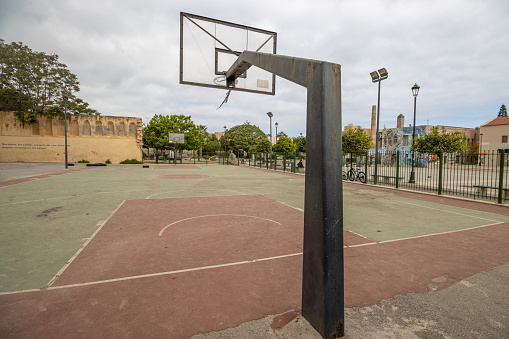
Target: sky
126,56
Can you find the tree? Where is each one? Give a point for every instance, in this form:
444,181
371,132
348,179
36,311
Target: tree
33,84
243,137
300,144
438,141
284,144
502,112
212,144
156,132
263,145
355,142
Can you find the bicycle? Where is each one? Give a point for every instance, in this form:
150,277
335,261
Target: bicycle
354,174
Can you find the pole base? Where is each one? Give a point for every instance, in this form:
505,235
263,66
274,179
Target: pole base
412,178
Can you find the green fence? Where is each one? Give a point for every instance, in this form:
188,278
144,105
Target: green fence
461,174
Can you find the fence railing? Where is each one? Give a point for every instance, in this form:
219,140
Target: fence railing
469,175
466,174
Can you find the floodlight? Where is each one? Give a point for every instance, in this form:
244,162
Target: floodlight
383,73
374,76
415,90
270,114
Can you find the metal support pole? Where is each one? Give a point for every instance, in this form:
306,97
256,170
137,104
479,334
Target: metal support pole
412,174
270,117
397,169
375,178
65,128
323,272
440,171
501,175
175,153
366,167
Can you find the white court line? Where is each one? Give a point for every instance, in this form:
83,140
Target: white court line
161,273
76,196
59,273
441,210
215,215
298,209
425,235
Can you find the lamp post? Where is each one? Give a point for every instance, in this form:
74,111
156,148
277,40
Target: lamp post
415,91
65,128
276,131
480,148
378,76
224,142
270,118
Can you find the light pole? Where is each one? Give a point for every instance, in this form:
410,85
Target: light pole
224,142
378,76
65,128
480,148
415,91
270,118
276,131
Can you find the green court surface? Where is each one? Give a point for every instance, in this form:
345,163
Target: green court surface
46,221
384,216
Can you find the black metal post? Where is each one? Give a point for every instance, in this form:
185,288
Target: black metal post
415,92
375,178
480,147
270,122
323,273
412,174
65,129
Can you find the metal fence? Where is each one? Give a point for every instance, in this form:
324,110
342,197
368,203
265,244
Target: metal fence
468,175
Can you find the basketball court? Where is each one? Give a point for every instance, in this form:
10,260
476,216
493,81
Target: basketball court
175,258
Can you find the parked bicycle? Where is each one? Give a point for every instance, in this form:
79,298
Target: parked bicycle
354,174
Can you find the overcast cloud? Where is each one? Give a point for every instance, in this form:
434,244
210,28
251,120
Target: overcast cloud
126,56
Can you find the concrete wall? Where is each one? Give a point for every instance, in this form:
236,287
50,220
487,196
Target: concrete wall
92,138
492,138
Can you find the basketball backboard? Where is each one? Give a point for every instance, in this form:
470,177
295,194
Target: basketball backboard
176,138
208,47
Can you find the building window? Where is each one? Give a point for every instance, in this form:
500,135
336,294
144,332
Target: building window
405,140
504,138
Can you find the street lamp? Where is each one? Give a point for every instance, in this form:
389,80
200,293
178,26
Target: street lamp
224,140
378,76
276,131
480,147
270,119
65,128
415,91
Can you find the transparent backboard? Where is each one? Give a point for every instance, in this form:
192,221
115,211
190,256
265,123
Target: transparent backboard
208,47
176,138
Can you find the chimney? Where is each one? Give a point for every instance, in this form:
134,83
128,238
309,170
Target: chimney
401,121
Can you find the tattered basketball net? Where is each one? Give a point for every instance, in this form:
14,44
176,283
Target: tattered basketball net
225,99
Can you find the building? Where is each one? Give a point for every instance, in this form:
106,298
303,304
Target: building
494,135
95,138
400,137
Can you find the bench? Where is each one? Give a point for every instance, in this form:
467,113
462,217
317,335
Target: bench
482,190
387,178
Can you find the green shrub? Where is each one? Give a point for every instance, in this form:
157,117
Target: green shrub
108,161
83,161
130,161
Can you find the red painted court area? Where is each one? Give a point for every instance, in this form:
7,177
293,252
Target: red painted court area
172,268
173,166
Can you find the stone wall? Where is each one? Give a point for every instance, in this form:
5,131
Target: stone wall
89,137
